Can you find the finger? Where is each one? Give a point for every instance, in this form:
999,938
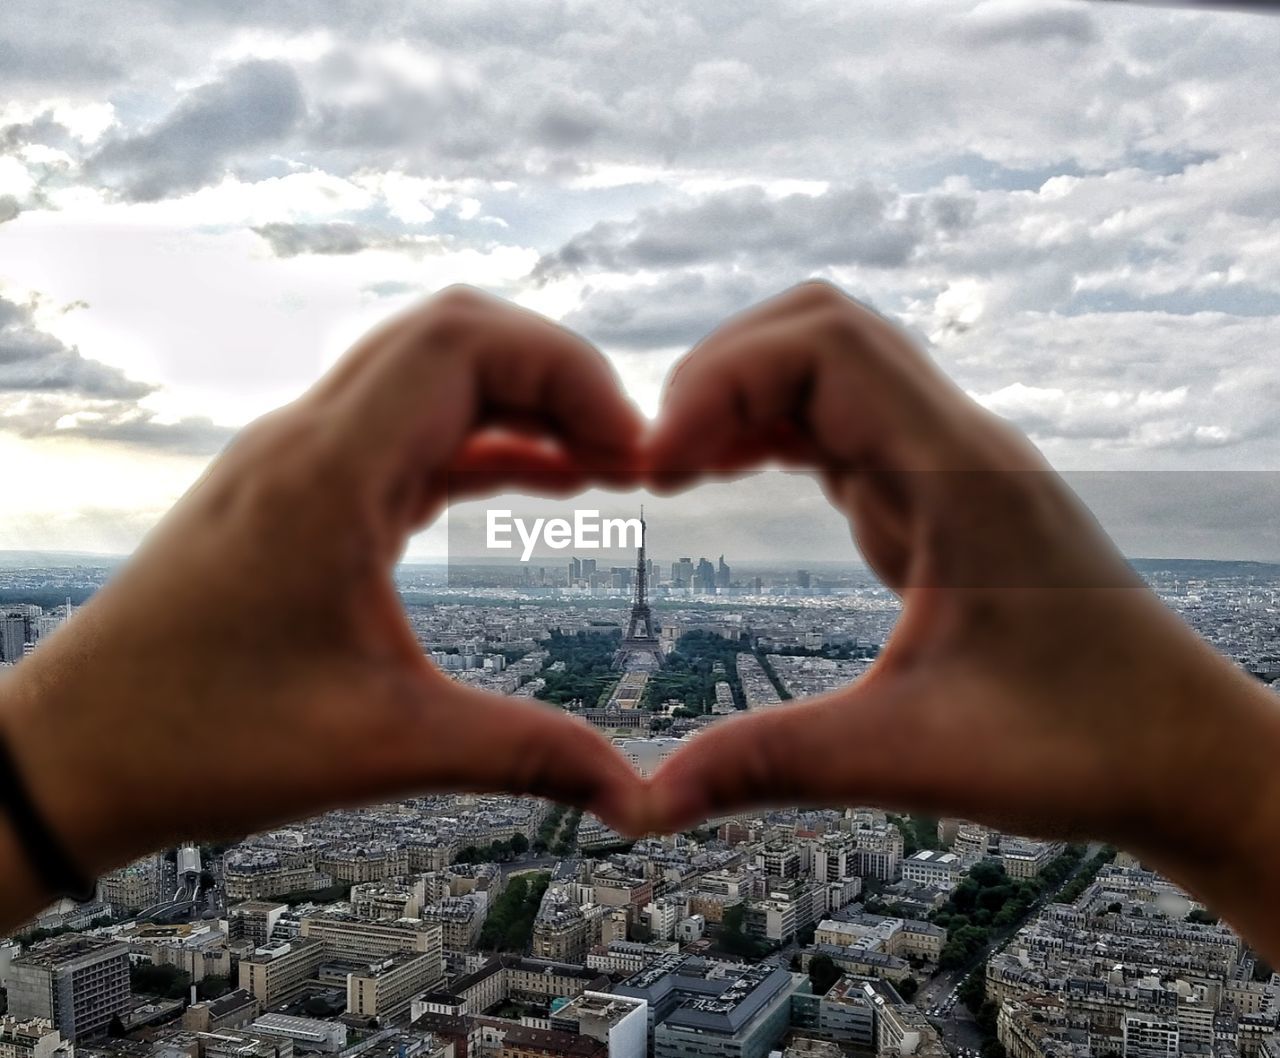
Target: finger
525,747
853,746
800,297
489,464
836,372
465,360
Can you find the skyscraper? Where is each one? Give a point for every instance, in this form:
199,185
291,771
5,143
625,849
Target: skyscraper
704,580
13,636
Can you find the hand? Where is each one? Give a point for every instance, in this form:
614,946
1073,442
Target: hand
253,663
1032,682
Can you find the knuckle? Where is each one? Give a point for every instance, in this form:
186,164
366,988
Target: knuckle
815,291
449,321
459,296
836,327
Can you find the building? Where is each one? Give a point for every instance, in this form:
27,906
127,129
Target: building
34,1038
393,898
697,1007
234,1043
647,754
779,860
565,932
232,1011
13,637
307,1034
254,921
902,938
460,920
973,842
621,1022
386,989
1024,858
1150,1035
348,937
626,957
128,890
931,867
538,981
878,849
276,973
76,982
691,929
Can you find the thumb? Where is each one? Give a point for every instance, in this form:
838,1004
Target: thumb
859,745
488,742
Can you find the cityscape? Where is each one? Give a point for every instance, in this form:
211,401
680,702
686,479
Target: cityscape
468,926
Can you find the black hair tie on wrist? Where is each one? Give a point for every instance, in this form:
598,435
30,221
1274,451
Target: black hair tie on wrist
48,859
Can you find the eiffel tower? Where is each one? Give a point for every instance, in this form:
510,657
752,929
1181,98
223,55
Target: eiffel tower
640,651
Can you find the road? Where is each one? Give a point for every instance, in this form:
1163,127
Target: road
954,1022
535,863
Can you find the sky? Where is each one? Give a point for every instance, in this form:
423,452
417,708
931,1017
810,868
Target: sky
1074,206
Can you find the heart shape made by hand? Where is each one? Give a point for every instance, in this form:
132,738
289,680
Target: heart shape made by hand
997,698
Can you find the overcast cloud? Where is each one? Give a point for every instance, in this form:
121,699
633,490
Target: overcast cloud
1073,205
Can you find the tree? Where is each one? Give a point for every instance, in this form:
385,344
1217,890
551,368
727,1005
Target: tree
519,844
908,987
823,973
155,980
973,991
213,986
510,922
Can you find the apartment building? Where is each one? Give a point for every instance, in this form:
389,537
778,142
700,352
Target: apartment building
386,989
32,1038
931,867
276,973
348,937
77,983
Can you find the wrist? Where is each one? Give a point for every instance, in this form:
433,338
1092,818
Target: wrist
1216,831
21,892
60,772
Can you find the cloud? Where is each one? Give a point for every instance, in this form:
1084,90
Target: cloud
251,108
1017,22
32,360
676,311
860,225
37,59
1073,203
115,422
1104,383
340,238
49,389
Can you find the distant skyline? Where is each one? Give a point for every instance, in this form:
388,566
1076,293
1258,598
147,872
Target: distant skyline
776,515
1089,242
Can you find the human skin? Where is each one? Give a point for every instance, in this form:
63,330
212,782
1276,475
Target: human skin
253,664
1033,682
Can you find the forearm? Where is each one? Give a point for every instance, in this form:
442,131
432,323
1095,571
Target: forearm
1219,832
